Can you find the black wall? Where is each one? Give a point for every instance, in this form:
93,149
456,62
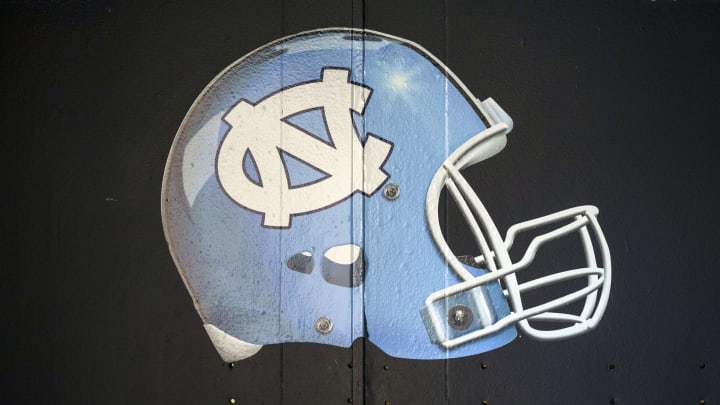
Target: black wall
615,104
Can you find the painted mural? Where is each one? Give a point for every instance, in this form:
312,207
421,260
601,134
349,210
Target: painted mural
301,202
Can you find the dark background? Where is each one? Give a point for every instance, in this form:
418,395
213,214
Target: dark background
615,104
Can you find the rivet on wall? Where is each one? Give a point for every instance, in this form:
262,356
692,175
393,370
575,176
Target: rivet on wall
386,367
231,400
702,365
483,366
702,401
611,367
231,365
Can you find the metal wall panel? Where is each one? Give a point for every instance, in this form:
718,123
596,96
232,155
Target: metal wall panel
615,104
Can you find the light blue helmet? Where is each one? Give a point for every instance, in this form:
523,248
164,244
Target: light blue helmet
300,202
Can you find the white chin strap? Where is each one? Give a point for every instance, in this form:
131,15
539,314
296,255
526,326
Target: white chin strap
496,259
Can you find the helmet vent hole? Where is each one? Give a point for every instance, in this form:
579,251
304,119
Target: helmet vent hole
301,262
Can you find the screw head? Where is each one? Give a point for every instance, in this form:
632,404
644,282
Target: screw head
391,191
323,325
460,317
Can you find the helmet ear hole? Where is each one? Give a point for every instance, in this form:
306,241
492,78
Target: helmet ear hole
344,265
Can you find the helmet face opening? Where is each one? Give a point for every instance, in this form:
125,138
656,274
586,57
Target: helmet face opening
300,202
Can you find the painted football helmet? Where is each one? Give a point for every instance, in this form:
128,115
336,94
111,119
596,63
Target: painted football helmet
300,203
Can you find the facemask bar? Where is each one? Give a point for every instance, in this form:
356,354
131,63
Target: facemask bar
598,277
495,256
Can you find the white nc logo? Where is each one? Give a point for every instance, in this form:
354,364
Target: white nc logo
260,130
